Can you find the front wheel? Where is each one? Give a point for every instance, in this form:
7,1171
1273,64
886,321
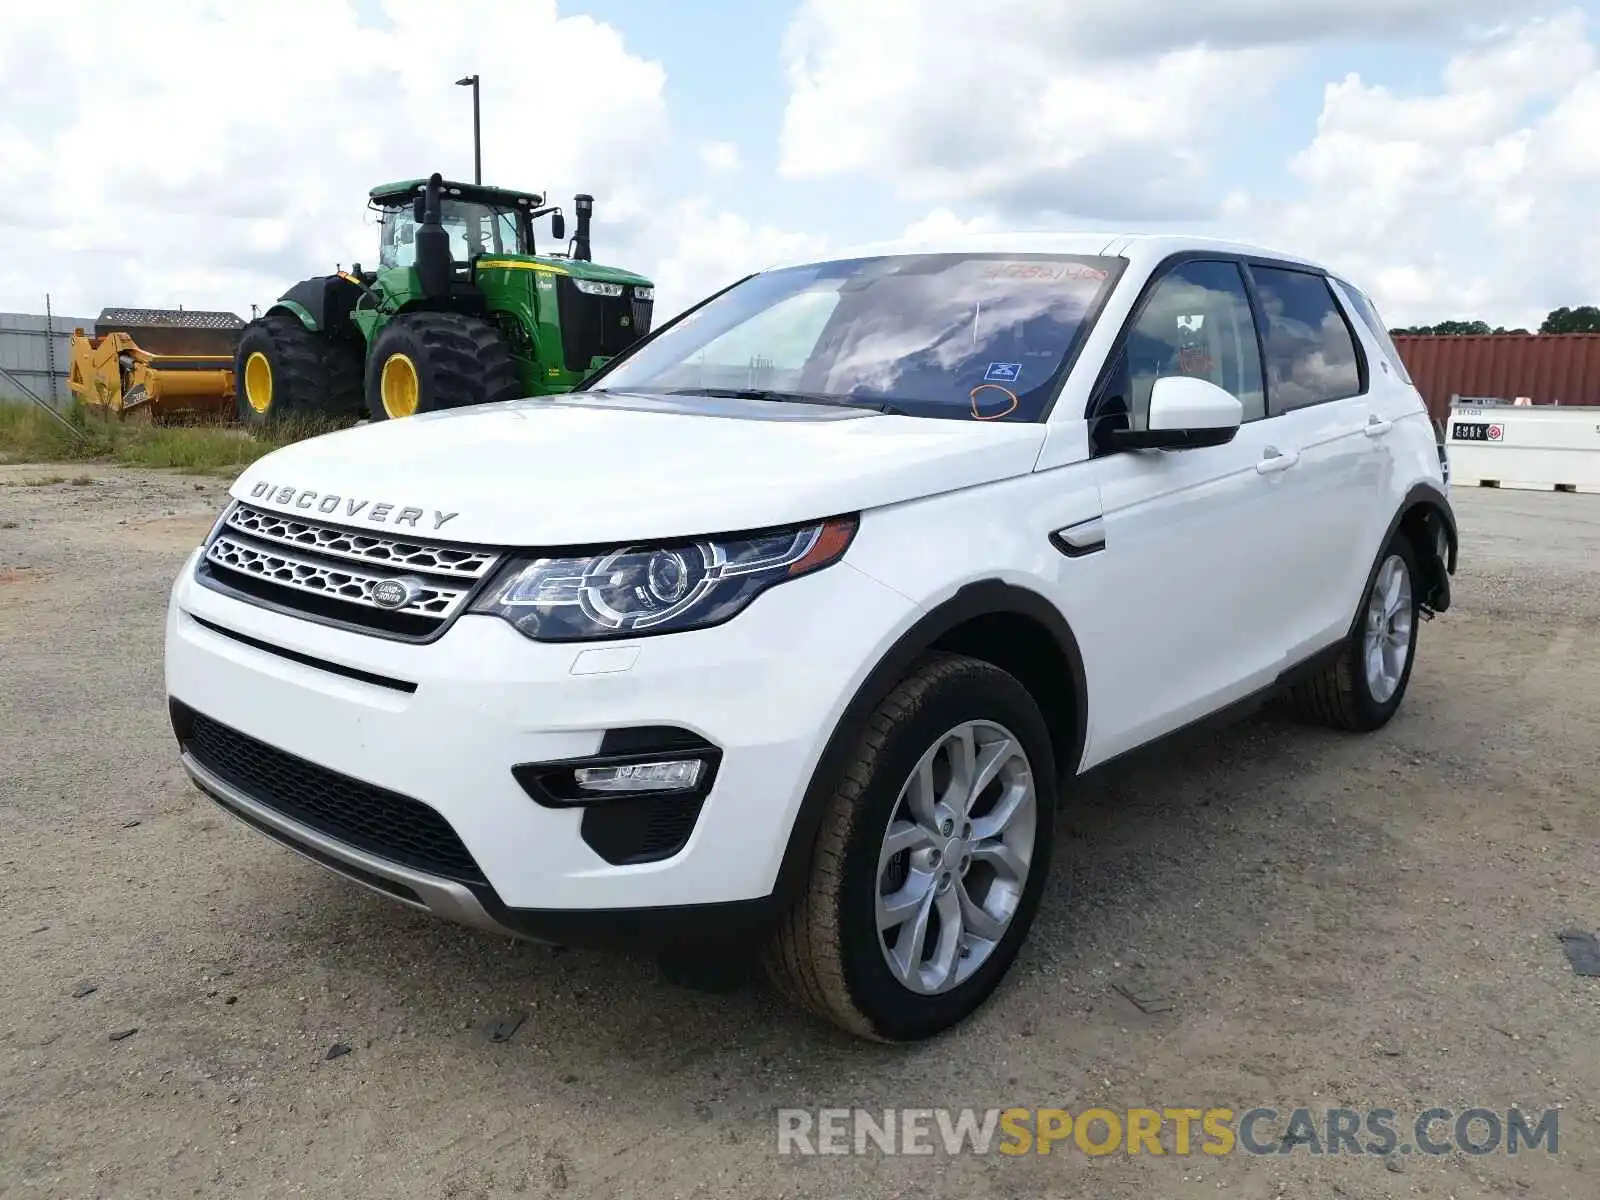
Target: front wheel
425,362
1362,690
931,859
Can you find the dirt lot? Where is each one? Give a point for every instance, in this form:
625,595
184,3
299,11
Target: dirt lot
1337,922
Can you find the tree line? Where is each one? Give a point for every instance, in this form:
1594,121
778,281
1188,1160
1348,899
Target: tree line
1584,319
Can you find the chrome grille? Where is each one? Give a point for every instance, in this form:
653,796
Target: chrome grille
370,548
329,574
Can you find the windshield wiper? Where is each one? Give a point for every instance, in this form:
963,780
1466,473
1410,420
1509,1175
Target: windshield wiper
821,398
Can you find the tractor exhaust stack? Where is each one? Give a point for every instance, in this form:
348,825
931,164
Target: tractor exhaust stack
583,206
435,268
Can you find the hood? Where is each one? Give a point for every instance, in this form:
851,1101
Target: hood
574,470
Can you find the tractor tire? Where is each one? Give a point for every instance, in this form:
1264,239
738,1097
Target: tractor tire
428,361
346,363
283,371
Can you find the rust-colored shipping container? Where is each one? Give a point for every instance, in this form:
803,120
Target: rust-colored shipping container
1561,368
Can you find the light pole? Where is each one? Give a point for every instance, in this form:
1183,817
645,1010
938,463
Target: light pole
477,140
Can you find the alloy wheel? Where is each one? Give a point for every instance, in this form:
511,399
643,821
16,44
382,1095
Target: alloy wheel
955,857
1387,641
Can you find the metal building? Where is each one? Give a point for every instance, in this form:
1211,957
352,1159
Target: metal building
38,356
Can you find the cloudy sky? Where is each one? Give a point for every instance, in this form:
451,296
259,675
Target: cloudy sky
1446,152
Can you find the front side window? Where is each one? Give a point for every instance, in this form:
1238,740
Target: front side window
1311,354
955,336
1196,322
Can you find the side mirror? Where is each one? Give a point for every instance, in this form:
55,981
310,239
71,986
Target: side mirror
558,227
1185,414
418,207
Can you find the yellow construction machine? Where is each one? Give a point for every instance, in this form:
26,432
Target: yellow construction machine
164,364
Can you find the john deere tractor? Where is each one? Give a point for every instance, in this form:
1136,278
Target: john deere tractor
461,310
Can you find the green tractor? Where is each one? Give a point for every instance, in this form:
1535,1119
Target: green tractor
461,310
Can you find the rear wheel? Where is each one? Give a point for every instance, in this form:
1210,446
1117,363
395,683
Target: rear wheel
283,370
425,362
1362,691
931,858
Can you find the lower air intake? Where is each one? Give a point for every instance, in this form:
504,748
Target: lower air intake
370,818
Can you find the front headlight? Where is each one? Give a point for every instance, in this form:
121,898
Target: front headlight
637,590
593,287
644,293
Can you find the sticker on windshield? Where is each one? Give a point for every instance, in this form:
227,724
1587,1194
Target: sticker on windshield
1002,373
1045,272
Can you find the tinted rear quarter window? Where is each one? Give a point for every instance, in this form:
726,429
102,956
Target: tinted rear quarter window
1361,304
1311,353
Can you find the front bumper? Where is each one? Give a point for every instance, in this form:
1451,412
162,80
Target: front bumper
766,690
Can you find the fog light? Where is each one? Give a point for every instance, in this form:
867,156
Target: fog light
679,776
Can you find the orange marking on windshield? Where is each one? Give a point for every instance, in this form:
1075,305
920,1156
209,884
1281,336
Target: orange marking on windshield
1044,272
979,415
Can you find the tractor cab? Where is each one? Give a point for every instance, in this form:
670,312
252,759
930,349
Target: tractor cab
478,220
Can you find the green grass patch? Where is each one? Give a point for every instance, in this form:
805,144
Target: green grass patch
29,435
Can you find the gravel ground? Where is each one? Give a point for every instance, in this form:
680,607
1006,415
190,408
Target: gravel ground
1351,922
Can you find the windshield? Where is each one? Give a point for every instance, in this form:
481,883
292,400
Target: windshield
474,229
961,336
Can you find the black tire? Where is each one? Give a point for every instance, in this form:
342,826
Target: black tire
458,360
1341,695
309,375
346,363
825,952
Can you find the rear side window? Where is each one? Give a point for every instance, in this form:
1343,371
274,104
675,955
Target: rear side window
1311,353
1361,304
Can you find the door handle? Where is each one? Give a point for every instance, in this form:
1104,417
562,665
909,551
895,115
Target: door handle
1274,461
1377,426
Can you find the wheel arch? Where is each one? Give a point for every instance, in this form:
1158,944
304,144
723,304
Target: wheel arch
1012,627
322,304
1425,517
296,310
1428,521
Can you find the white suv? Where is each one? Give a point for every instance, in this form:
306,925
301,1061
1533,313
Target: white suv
797,624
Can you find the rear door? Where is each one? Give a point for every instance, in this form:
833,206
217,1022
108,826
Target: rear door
1189,563
1319,392
1394,398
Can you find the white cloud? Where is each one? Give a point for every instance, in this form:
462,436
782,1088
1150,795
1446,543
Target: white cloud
1101,108
1475,200
220,181
942,223
714,249
721,158
226,150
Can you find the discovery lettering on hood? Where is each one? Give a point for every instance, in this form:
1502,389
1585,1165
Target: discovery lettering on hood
381,512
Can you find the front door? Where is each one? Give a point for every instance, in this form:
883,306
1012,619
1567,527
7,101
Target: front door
1191,579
